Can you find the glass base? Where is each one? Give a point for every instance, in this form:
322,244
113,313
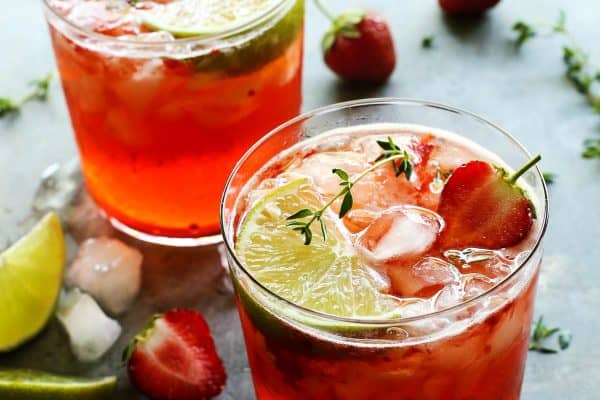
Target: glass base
165,240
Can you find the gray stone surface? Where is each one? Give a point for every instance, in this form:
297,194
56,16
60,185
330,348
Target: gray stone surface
471,65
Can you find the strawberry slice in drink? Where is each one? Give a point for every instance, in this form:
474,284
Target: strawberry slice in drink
483,207
175,359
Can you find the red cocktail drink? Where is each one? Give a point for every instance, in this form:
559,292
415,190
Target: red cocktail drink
399,298
160,120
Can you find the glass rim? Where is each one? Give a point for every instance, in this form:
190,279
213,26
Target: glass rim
203,39
230,247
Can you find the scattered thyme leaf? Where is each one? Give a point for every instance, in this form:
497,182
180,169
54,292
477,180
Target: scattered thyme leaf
39,93
41,87
391,153
561,23
549,177
7,106
427,42
541,334
580,71
592,148
524,31
564,340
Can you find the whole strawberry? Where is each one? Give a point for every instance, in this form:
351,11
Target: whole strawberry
467,7
359,46
174,358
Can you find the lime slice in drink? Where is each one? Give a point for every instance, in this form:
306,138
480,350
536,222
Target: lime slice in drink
30,279
185,18
326,275
20,384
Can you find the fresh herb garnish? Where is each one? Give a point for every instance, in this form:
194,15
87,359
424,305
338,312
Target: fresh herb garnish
541,334
526,31
592,148
391,153
583,74
39,92
427,42
549,177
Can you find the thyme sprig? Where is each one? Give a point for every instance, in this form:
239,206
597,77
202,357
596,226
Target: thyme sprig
392,153
39,92
541,333
581,71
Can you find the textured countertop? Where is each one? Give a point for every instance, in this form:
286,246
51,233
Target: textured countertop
472,65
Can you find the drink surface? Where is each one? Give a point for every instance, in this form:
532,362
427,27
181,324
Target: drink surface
391,231
380,262
160,128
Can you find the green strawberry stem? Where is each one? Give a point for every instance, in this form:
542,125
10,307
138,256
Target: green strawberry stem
324,10
513,178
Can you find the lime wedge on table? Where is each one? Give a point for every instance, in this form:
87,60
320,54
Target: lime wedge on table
325,276
184,18
21,384
30,279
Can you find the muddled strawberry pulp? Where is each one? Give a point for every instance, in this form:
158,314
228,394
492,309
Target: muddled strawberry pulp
420,236
159,128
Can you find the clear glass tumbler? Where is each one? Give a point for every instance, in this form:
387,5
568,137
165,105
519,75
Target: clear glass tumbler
473,350
160,122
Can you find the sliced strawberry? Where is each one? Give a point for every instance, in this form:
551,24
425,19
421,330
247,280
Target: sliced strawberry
175,359
482,207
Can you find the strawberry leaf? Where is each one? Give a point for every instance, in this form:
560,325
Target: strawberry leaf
344,25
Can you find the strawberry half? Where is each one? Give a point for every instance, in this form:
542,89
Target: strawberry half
174,358
483,207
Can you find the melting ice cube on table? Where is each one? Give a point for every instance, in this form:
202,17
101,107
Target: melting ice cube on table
109,270
91,332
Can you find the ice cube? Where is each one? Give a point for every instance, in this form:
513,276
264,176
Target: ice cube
91,332
319,167
475,284
84,219
491,263
58,186
109,270
104,16
449,296
400,233
449,153
423,279
358,219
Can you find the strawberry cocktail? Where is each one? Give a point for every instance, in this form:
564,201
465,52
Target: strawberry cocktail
165,96
386,249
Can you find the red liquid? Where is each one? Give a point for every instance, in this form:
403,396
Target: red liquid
158,140
476,352
484,362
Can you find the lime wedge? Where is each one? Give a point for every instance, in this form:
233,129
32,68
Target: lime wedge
30,279
20,384
326,275
185,18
